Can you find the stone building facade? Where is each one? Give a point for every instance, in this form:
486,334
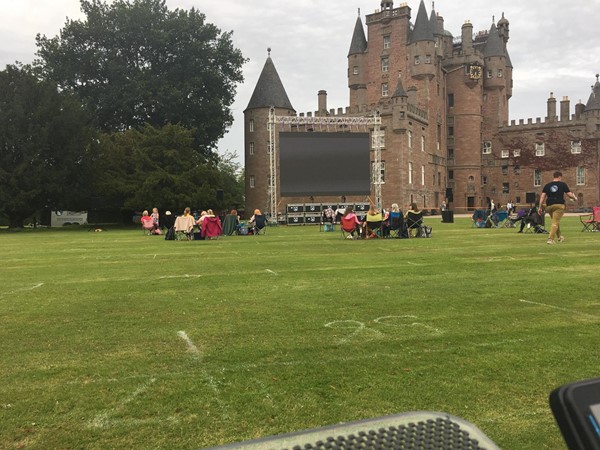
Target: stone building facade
443,103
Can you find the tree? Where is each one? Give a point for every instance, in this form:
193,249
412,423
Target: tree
45,147
135,62
157,167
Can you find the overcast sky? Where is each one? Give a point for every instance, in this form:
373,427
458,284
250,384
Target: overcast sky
554,45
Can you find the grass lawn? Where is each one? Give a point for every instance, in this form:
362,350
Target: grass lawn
120,340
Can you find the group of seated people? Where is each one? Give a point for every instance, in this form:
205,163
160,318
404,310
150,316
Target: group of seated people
392,223
206,225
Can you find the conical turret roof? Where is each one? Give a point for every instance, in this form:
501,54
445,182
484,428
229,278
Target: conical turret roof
593,102
359,41
269,90
423,30
399,92
494,45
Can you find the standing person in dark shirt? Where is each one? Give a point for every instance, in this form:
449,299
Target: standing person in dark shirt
554,196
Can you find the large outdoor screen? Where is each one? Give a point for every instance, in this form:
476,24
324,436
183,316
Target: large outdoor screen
324,164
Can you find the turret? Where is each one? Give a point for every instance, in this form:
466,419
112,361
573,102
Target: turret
399,107
356,66
467,38
268,93
494,61
422,47
592,108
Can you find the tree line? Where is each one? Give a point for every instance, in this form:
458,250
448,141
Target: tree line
121,111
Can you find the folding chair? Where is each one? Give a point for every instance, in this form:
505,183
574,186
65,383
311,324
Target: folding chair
211,227
260,224
397,226
414,221
511,220
348,227
591,222
147,225
184,228
479,218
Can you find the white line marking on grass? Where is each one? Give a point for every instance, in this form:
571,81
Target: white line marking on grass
191,347
39,285
196,353
412,263
103,419
270,271
185,275
354,326
560,309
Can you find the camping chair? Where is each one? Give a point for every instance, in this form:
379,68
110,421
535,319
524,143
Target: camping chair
479,218
373,225
591,222
348,227
230,224
327,220
397,226
184,228
148,225
211,227
260,225
511,220
414,221
502,217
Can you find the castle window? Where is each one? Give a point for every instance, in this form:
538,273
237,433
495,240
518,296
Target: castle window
451,174
355,70
505,188
540,149
410,173
252,184
487,147
427,59
500,73
517,170
386,41
251,125
504,154
410,139
490,74
450,131
251,148
384,89
504,170
422,143
423,175
537,177
385,62
450,100
580,176
517,152
417,60
575,147
484,180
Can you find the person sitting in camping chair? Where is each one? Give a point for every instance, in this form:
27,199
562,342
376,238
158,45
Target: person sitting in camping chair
373,223
532,219
258,222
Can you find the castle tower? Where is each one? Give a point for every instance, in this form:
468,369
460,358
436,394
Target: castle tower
494,81
591,113
422,47
268,93
356,67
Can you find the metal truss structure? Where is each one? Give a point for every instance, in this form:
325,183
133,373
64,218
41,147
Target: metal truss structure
323,123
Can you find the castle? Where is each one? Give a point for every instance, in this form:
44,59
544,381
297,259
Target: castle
443,103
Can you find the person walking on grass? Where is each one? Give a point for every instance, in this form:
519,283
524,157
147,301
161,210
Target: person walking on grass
554,196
